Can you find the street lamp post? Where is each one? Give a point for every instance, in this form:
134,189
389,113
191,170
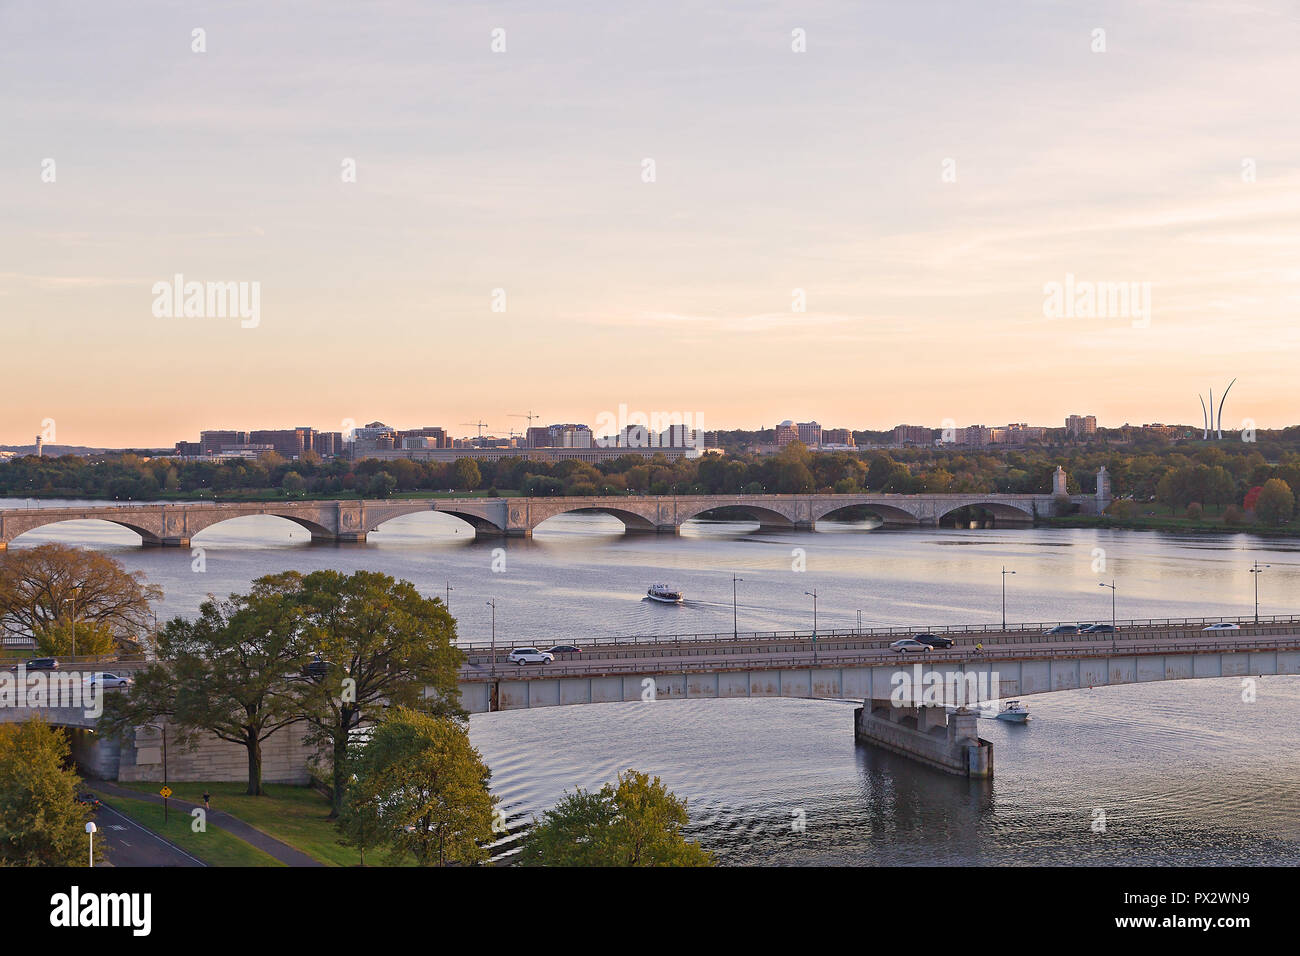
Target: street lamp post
813,595
859,622
1005,572
74,623
493,605
735,627
1257,570
447,601
162,732
1113,631
90,832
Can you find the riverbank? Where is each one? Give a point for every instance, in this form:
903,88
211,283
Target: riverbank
1213,525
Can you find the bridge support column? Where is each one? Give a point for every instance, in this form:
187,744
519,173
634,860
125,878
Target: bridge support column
176,542
515,532
350,537
927,735
928,521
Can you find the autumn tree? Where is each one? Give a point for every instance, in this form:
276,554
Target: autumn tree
423,788
88,638
1276,503
41,822
634,822
42,586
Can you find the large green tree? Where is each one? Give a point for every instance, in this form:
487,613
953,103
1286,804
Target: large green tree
41,822
234,672
375,642
635,822
420,784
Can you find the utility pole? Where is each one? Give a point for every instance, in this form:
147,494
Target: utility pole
1005,572
1257,570
447,602
735,627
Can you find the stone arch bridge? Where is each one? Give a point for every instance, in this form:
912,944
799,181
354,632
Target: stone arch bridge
175,524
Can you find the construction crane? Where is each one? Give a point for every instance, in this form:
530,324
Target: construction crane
481,426
530,416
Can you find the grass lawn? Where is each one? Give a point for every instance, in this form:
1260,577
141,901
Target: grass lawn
215,847
294,815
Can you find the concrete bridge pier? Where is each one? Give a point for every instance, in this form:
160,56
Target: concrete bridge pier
174,542
926,734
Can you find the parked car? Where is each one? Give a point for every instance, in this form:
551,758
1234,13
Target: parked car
565,649
934,640
39,664
105,679
1098,629
530,655
1062,629
316,669
1222,627
909,646
89,799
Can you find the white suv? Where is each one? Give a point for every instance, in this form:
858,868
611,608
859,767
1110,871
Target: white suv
530,655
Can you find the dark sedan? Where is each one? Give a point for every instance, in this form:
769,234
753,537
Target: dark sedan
39,664
934,640
565,649
1098,629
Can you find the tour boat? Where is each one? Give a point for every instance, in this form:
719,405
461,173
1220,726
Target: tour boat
1014,711
664,594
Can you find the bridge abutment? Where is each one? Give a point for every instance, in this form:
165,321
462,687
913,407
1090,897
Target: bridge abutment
929,735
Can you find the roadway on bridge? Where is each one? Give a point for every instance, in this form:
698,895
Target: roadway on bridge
787,652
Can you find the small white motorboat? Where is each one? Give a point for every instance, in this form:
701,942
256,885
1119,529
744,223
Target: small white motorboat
1014,711
664,594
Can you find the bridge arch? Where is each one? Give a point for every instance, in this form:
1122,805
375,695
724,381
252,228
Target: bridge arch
318,531
893,516
479,523
632,521
768,519
148,538
1003,512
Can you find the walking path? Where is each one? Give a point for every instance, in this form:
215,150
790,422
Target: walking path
283,852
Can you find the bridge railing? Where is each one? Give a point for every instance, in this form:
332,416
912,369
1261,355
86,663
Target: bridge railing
804,660
891,632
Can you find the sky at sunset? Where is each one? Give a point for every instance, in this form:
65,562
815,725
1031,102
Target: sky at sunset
918,175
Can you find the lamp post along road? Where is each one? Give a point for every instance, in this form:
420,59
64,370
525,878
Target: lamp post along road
1256,571
493,605
1113,630
1005,572
813,595
735,627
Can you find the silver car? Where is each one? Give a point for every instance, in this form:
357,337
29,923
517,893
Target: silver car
907,646
530,655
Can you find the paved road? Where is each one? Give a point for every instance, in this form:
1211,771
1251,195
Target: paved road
787,653
283,852
130,844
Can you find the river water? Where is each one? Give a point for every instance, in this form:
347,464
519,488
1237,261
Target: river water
1163,773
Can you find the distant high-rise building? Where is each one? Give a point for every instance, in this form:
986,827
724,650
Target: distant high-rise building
1080,426
810,433
913,435
786,432
838,436
40,447
212,441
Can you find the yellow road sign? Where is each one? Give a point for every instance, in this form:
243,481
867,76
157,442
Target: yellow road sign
165,792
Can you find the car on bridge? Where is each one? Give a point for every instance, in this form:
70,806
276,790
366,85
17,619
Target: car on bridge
39,664
565,649
1062,629
1098,629
909,645
1222,627
105,679
530,655
934,640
